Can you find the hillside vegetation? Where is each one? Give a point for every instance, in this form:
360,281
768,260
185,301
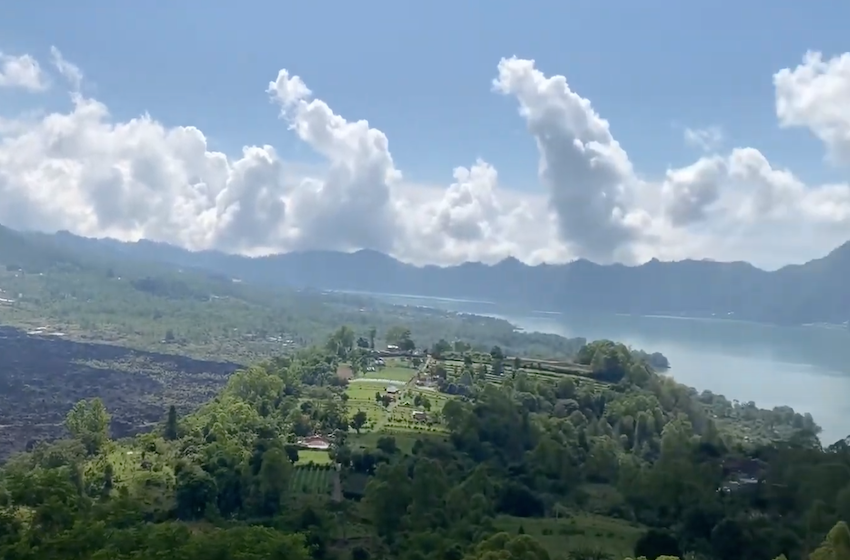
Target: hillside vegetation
101,297
470,456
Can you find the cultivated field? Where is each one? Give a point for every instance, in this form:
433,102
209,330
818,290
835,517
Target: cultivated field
361,396
547,370
578,532
398,416
313,479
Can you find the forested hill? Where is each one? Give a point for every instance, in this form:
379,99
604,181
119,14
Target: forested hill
471,457
813,292
99,295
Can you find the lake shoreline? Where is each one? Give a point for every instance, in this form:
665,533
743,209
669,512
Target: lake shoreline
655,315
802,366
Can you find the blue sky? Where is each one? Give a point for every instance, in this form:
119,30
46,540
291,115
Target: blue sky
422,73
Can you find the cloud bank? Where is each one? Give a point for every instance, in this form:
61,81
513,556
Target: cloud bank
88,173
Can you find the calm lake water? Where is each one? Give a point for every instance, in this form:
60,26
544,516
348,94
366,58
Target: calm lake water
805,368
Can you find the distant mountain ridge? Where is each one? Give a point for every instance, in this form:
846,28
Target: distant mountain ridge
815,292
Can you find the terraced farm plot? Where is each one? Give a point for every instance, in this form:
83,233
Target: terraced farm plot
438,399
453,365
610,536
553,376
312,480
401,419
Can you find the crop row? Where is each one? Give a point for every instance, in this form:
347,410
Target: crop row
313,479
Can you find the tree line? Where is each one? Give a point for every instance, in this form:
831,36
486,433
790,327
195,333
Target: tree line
639,449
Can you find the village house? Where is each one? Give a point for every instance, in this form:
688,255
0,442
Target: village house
314,442
420,416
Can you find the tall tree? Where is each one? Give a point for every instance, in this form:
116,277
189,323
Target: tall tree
88,421
274,478
358,420
170,432
836,546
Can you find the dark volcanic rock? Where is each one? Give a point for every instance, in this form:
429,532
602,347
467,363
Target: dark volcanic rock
41,377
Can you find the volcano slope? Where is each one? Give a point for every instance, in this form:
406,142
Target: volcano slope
42,376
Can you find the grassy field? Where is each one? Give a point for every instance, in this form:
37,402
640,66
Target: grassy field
577,532
312,480
365,390
393,373
315,456
361,396
404,439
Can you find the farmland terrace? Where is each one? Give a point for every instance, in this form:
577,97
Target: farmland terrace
42,376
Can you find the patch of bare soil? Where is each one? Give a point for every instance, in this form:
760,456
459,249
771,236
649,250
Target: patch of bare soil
344,371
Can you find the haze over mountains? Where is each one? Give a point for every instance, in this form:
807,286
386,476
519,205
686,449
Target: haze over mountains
816,291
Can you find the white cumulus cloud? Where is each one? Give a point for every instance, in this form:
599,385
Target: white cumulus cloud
21,71
84,171
816,95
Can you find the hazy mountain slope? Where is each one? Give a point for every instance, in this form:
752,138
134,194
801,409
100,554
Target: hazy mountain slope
814,292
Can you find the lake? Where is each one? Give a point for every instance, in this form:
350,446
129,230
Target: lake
806,368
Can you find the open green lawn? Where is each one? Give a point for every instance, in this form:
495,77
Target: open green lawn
580,531
374,412
393,373
404,439
364,391
361,396
318,457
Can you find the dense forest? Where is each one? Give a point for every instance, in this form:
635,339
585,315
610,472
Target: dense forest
339,451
